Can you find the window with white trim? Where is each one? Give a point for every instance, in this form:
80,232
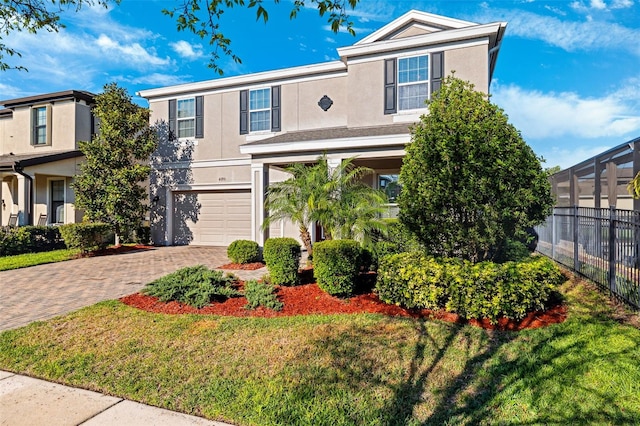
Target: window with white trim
186,118
259,110
413,82
39,130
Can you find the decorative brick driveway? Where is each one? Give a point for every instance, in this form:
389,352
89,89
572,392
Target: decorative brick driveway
45,291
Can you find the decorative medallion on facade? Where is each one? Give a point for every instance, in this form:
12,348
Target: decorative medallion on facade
325,103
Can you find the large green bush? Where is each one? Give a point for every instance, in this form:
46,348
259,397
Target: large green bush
469,179
195,286
336,265
482,290
87,236
243,251
30,239
282,256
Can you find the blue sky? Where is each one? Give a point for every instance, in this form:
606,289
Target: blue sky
568,73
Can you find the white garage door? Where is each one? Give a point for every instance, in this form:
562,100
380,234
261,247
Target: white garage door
211,218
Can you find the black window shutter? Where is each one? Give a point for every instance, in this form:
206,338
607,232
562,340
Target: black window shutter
390,90
199,117
244,112
275,108
172,119
437,70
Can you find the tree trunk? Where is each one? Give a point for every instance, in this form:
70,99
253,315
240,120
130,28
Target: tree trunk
306,240
117,235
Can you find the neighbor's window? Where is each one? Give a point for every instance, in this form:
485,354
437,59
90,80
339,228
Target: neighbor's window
57,201
259,110
40,125
413,82
186,118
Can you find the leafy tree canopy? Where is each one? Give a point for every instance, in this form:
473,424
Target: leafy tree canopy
469,179
201,17
108,186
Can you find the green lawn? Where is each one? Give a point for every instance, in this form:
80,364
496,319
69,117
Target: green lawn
345,369
32,259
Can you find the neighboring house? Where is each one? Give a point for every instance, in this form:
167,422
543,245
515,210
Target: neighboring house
227,139
39,155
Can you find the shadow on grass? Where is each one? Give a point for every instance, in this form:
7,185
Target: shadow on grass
438,373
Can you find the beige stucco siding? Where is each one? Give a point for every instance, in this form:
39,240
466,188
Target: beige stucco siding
70,122
300,103
366,95
470,64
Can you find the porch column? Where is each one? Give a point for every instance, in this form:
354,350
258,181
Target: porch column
24,199
259,185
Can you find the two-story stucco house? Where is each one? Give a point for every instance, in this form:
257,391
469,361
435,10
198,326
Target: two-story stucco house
39,156
230,137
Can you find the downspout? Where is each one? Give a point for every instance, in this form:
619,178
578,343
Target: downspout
18,169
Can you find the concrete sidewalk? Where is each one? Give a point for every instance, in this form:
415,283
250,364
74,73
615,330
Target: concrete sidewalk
33,402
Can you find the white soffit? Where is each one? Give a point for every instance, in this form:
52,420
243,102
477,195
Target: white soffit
425,18
236,82
327,144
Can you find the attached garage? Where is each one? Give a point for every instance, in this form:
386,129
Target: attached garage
212,218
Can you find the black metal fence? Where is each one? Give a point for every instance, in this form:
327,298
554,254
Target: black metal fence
600,244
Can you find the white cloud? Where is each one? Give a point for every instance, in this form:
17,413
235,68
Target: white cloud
187,50
570,36
10,92
158,79
330,40
621,4
600,5
133,53
554,115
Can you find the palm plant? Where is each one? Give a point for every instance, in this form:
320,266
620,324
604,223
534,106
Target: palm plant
336,198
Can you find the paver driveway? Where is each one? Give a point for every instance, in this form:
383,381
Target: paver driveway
45,291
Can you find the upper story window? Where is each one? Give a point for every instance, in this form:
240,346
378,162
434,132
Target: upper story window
413,82
41,126
186,118
410,81
259,110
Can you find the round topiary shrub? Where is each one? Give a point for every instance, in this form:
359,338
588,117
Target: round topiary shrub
336,264
243,251
282,256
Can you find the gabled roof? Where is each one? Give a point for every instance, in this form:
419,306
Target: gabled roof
49,97
427,22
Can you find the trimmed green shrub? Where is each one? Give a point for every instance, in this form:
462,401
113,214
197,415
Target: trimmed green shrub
513,250
30,239
243,251
336,265
195,286
282,256
483,290
261,294
87,236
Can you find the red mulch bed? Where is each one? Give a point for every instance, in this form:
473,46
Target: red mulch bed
116,250
309,299
243,266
